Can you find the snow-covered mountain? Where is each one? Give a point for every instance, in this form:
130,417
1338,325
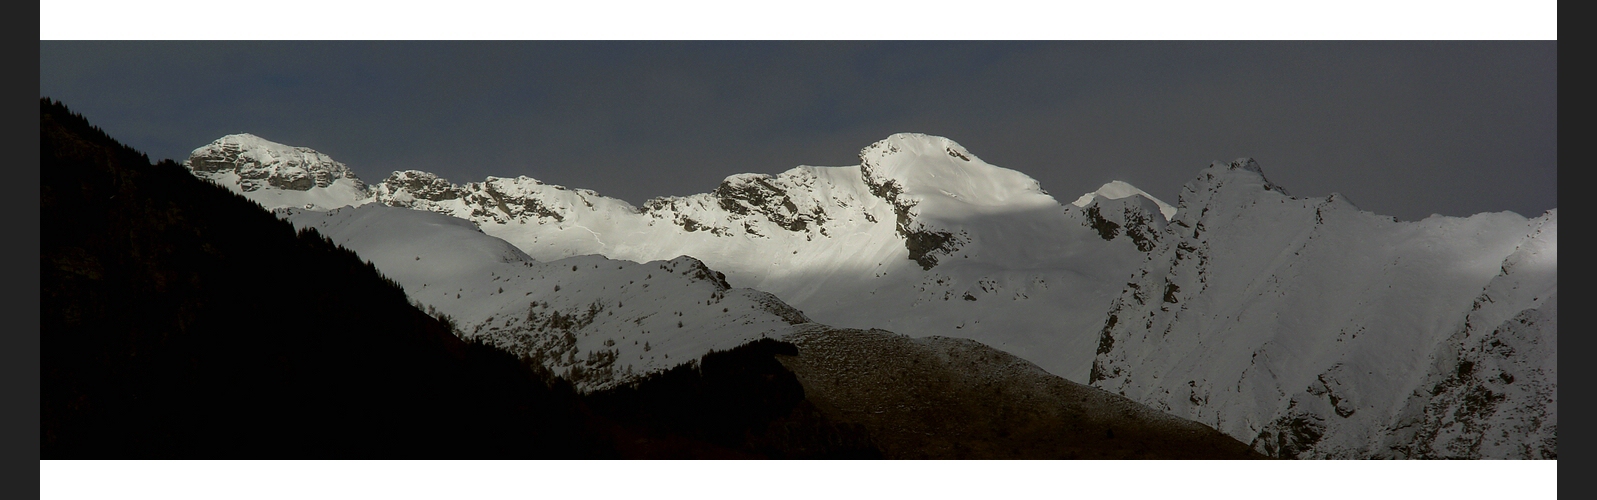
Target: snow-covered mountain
1313,329
922,237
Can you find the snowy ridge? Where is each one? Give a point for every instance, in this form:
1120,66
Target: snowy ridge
922,237
595,321
1299,325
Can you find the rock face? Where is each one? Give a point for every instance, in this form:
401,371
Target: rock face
781,206
755,194
493,201
1136,217
260,163
276,175
1301,325
411,188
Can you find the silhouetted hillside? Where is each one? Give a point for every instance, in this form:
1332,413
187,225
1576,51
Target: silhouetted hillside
181,320
945,398
742,400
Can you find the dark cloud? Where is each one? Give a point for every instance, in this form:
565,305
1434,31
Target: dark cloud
1401,128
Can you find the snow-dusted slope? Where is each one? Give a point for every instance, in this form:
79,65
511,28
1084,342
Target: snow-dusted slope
1302,325
921,237
1492,389
593,320
276,175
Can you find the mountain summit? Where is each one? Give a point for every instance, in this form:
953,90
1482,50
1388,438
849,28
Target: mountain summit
1115,190
926,169
277,175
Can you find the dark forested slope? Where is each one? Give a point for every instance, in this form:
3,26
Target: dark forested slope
181,320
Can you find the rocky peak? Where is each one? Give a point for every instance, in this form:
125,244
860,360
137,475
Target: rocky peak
495,199
747,194
1136,217
1223,185
895,167
260,163
520,199
915,145
403,188
933,184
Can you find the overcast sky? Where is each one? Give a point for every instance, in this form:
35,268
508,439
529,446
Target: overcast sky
1401,128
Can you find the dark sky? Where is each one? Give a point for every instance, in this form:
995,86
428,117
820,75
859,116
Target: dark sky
1402,128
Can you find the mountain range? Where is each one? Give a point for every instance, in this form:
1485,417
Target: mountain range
1302,326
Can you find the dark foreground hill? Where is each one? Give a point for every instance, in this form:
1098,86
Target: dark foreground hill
180,320
939,397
